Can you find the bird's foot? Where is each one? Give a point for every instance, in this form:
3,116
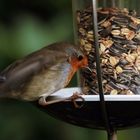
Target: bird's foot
43,102
76,96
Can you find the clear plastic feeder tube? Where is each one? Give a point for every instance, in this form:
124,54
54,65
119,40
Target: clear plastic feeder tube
118,35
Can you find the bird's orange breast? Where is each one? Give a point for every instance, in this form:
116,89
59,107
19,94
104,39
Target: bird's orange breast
75,65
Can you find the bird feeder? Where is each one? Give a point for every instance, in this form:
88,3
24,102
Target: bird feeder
109,33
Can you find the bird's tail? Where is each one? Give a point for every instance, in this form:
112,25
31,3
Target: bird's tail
2,92
2,95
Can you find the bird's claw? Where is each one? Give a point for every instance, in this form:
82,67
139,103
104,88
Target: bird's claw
76,96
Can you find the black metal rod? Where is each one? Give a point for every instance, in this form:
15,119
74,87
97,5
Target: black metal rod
112,136
98,69
104,3
113,3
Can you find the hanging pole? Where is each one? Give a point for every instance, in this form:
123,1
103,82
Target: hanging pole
111,134
113,3
104,3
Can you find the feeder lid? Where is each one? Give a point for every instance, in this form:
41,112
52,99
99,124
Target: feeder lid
123,110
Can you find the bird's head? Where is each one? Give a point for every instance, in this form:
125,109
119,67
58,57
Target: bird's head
76,57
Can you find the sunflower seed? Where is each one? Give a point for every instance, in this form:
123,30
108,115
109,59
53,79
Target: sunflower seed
119,45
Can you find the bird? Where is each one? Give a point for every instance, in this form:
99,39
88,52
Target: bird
41,73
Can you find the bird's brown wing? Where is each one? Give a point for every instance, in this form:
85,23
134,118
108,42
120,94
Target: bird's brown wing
18,74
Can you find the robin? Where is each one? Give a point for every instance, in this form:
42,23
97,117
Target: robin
42,73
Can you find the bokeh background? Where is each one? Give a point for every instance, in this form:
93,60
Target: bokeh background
25,26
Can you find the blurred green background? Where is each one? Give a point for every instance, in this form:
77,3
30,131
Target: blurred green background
26,26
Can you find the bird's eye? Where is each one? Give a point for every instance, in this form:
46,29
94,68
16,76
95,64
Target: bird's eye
80,57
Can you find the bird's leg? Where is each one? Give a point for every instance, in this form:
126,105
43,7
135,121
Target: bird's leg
42,101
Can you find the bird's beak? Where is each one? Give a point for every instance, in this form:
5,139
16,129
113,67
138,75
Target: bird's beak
87,67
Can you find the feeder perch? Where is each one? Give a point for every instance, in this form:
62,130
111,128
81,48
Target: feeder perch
109,33
121,110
